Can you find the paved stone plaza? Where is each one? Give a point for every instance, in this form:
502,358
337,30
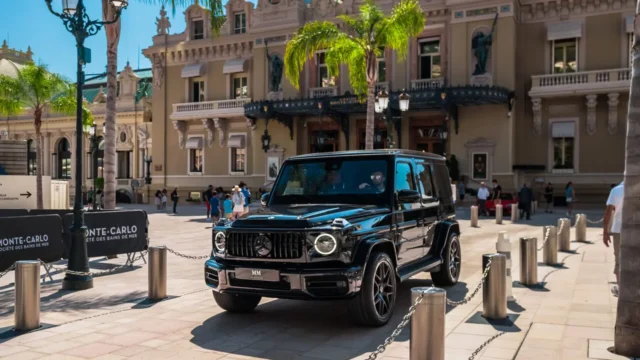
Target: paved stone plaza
570,317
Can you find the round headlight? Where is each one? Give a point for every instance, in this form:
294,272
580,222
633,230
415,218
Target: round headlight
325,244
220,241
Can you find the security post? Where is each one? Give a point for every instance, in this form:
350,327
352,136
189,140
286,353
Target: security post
499,214
514,212
494,290
503,246
428,324
581,228
474,216
564,234
157,272
528,261
550,249
27,295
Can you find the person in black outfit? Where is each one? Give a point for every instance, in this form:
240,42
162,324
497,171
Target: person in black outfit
525,198
548,196
497,192
174,199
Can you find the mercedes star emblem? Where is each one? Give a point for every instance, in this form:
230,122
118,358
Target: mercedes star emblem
262,244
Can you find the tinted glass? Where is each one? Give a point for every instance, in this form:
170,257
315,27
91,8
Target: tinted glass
424,175
333,181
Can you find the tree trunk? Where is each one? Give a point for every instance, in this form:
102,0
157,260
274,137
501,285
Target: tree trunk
372,76
113,37
38,124
627,331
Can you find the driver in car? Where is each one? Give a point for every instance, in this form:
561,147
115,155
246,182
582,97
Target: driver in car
334,184
377,185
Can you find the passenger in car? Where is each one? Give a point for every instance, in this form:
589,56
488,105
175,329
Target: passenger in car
378,181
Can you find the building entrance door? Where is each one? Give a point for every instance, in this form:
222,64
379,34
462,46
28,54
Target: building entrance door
434,146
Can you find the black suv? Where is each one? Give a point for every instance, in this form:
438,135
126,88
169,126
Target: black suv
343,225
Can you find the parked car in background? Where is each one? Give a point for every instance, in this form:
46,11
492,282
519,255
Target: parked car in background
507,200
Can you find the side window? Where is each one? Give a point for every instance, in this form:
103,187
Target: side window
425,179
404,177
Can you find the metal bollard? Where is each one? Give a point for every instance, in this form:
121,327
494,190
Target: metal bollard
581,228
534,206
428,324
474,216
564,237
503,246
550,250
157,272
528,261
498,214
494,290
27,295
514,212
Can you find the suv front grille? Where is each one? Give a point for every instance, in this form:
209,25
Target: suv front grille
283,245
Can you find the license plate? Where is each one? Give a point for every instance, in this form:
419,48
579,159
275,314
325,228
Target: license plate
258,274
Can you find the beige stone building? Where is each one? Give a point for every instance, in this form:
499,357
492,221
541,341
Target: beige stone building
539,105
133,124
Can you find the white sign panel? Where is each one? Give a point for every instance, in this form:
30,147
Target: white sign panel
19,192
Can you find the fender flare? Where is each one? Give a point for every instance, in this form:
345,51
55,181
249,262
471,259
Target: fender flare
441,235
366,246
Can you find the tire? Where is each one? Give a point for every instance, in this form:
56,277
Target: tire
451,263
367,308
236,303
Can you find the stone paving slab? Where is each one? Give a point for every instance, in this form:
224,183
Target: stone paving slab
572,317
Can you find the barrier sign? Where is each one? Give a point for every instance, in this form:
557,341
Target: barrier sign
19,192
114,232
30,238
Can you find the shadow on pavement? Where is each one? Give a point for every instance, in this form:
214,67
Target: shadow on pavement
302,324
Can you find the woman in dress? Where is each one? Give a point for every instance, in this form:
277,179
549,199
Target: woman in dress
238,202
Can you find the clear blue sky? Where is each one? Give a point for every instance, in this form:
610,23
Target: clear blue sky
29,23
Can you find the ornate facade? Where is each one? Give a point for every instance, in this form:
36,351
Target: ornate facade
59,137
516,90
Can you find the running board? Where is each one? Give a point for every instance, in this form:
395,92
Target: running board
426,264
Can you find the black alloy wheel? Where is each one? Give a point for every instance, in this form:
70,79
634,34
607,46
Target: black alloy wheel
384,289
449,272
374,304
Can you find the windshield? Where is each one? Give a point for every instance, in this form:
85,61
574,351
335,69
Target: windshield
333,181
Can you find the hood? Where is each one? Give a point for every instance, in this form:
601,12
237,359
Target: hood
305,215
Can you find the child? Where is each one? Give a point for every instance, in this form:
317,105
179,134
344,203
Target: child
215,206
228,206
159,200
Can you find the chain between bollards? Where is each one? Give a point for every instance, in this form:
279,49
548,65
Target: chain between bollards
191,257
546,238
477,351
99,273
6,271
475,291
405,320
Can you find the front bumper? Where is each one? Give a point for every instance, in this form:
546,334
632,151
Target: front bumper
297,283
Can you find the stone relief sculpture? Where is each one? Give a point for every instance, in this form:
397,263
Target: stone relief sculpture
208,128
100,97
181,127
613,112
481,45
537,115
162,23
276,66
158,71
221,126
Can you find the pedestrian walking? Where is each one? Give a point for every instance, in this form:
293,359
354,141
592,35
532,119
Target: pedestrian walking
164,199
497,192
525,198
174,199
238,202
158,200
247,196
548,196
611,229
228,206
482,195
221,197
570,197
206,195
461,190
214,202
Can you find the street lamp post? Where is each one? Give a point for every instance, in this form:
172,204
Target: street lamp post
382,105
76,21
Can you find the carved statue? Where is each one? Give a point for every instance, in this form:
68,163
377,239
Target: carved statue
276,65
481,44
163,24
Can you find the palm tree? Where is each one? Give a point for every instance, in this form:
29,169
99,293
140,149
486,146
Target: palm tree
33,90
627,330
113,37
359,46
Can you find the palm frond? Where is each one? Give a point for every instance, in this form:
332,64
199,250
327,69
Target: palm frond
406,21
65,103
313,36
348,51
353,26
371,15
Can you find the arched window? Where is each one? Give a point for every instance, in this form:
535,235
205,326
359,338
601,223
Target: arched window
100,156
31,157
63,157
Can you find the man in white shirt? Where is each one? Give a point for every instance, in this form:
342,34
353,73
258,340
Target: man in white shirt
612,230
483,195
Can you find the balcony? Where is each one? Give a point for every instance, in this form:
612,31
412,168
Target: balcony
580,83
323,91
209,109
426,84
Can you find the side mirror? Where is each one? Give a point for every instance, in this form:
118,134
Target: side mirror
264,199
408,196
